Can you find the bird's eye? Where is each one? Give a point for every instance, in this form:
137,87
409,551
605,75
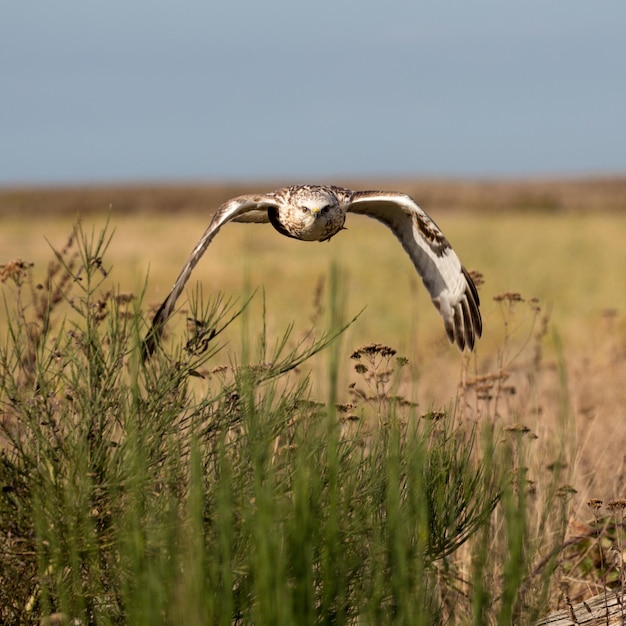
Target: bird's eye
325,209
305,209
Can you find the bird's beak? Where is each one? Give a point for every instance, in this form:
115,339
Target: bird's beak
315,211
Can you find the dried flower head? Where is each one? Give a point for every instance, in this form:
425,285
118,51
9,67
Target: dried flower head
594,504
345,408
508,296
372,349
477,277
435,416
15,270
616,505
350,417
521,429
124,298
565,491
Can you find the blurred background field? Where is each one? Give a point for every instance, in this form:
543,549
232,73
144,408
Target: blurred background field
551,259
559,241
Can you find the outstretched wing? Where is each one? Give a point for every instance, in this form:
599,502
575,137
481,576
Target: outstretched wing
251,208
450,287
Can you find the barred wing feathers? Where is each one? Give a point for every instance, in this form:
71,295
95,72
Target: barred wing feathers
450,287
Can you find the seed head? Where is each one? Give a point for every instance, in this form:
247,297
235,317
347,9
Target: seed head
595,504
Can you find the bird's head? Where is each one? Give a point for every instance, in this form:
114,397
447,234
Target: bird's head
315,213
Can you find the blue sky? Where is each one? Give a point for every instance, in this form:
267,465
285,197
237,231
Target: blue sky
190,90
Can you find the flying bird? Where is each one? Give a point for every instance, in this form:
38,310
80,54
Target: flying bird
318,213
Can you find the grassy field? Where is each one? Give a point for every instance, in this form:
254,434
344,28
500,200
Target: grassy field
546,382
539,243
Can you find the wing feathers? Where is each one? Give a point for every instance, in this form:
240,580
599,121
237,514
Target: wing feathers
474,305
253,216
450,287
233,210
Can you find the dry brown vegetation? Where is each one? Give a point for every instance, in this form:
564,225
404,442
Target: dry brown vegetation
547,195
552,364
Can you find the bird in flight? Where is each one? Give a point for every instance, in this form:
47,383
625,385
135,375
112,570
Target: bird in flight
317,213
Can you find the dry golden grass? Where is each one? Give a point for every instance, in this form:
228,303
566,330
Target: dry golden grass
552,363
558,241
